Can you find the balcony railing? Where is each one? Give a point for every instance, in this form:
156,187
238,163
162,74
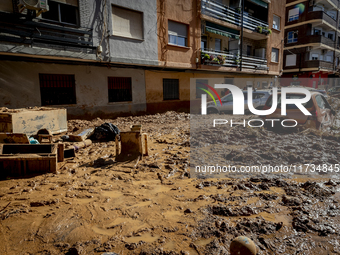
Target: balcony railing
230,15
314,39
321,15
232,60
317,63
16,30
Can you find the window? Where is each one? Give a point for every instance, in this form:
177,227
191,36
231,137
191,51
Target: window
276,22
292,36
315,56
329,58
204,42
170,89
275,55
317,31
320,102
178,33
199,85
57,89
249,50
120,89
62,13
218,44
291,60
127,23
293,14
330,36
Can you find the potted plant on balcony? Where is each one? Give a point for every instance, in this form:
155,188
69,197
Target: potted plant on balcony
263,30
259,29
204,57
237,59
266,31
221,59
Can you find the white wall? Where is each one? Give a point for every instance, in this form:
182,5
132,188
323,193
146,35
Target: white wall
20,87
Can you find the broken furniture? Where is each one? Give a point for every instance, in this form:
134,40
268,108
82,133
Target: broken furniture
81,135
27,159
133,142
29,121
14,138
44,134
69,151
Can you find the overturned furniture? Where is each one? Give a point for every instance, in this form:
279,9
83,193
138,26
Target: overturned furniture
29,121
27,159
133,144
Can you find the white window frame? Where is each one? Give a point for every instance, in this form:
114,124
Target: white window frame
278,25
293,14
292,39
176,35
316,56
277,55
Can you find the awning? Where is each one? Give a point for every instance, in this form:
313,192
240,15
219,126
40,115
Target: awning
221,30
260,3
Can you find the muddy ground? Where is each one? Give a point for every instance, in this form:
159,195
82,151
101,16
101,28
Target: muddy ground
94,205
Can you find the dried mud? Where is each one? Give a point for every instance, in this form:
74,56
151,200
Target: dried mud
94,205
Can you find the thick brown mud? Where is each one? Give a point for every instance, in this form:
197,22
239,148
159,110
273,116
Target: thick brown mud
94,205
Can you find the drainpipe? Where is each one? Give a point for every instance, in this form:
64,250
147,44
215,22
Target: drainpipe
241,50
336,37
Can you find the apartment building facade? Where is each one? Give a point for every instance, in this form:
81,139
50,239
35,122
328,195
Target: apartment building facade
110,58
203,39
82,55
312,42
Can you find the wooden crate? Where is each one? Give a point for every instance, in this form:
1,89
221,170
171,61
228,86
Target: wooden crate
29,122
27,159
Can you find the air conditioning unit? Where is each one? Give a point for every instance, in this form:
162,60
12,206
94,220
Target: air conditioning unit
37,5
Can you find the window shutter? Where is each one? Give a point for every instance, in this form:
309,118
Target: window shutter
293,12
291,60
175,28
127,23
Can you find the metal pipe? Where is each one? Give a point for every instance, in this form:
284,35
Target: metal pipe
241,50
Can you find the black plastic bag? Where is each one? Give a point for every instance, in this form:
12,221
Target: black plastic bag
106,131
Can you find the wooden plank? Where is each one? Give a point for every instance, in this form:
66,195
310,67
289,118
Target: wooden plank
81,135
14,138
61,148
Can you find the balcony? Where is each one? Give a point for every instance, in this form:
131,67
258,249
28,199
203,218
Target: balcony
215,58
332,2
314,39
230,15
321,15
317,64
14,29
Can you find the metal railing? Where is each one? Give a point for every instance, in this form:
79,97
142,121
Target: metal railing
230,15
14,29
222,58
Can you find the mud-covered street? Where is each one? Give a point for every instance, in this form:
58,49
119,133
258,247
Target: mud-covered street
95,205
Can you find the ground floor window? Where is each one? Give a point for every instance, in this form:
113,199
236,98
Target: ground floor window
120,89
57,89
170,89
